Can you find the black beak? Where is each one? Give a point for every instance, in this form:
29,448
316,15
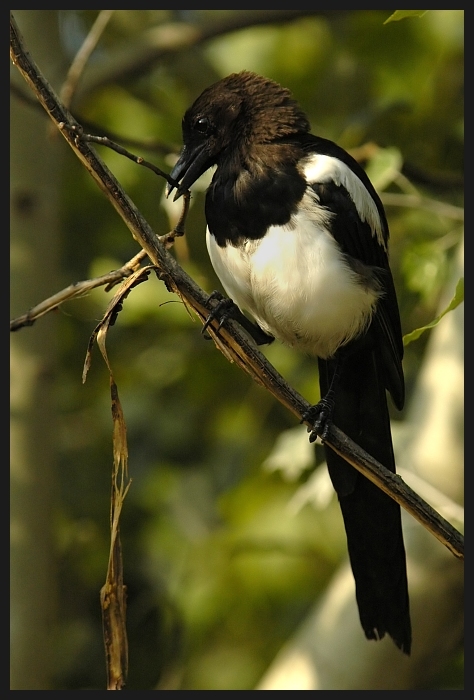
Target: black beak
190,166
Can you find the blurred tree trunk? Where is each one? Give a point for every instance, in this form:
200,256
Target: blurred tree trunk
34,212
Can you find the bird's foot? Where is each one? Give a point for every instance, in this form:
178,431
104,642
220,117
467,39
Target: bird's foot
320,417
225,309
220,312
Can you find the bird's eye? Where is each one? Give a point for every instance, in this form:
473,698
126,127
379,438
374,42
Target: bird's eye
203,125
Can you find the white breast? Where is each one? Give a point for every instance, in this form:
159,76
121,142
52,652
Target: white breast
296,284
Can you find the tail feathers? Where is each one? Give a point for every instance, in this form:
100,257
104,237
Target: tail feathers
377,555
372,519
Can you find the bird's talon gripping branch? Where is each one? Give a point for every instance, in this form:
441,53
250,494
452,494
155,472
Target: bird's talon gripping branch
320,417
219,313
228,309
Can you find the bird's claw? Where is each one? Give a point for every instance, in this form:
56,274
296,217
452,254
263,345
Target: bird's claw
228,309
320,417
220,312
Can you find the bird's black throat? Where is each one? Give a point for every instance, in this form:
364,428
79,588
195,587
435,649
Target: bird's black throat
242,205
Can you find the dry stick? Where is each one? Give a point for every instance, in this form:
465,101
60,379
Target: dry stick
230,338
109,280
78,289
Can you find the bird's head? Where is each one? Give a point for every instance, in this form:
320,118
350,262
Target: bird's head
239,110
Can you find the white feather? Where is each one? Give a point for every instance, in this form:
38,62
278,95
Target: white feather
321,168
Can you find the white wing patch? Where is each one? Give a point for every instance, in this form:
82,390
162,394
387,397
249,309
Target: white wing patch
322,168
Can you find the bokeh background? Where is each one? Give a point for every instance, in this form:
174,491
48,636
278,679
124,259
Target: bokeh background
232,540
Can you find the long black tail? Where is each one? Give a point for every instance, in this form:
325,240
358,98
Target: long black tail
372,519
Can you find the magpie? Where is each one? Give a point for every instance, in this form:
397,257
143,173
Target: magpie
298,238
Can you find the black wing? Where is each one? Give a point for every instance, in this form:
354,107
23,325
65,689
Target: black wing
358,240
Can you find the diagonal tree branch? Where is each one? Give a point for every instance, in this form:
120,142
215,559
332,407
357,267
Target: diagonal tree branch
231,339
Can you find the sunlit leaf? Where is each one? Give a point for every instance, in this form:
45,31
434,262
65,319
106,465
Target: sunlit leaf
402,14
455,301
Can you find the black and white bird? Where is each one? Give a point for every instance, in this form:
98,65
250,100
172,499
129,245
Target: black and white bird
298,237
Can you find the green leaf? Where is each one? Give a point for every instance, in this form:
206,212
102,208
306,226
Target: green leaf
455,301
402,14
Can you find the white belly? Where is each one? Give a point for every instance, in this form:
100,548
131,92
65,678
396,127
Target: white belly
296,285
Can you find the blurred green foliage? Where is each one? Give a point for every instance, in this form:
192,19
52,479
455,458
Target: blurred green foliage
219,570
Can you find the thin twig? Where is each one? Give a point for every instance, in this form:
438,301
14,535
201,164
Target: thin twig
80,60
394,199
150,145
109,280
78,289
105,141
